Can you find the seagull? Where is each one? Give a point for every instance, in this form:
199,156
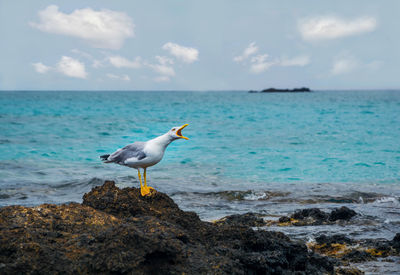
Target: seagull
144,154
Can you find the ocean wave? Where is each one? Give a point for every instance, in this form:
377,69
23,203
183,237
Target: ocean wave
388,200
237,195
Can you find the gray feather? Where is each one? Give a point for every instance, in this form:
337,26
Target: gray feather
134,150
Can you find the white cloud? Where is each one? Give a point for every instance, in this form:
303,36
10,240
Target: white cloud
121,62
41,68
260,64
164,60
163,67
344,65
301,61
101,29
71,67
123,77
95,63
185,54
329,27
250,50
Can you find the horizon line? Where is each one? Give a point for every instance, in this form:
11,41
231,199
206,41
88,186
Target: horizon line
189,90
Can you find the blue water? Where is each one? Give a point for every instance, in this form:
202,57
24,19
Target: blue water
279,152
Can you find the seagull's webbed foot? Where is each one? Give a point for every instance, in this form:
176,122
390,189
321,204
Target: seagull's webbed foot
146,190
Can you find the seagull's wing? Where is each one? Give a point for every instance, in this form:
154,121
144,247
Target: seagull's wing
132,151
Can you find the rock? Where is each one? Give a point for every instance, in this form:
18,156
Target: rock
118,231
357,256
295,90
314,213
342,213
129,203
284,219
248,219
347,250
348,271
396,242
339,238
314,216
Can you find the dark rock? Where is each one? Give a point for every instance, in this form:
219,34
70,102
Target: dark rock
295,90
117,231
396,242
342,213
252,91
284,219
348,271
357,256
248,219
315,216
348,250
315,213
339,238
129,203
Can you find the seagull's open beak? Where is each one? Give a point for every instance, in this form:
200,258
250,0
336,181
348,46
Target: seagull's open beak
179,132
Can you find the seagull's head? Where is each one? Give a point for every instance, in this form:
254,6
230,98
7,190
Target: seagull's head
176,132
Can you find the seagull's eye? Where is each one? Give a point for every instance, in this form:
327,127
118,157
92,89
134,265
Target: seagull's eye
173,129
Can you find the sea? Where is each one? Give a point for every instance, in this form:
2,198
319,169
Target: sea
270,153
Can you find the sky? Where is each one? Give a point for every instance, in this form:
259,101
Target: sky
199,45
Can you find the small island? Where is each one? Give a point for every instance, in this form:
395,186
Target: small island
274,90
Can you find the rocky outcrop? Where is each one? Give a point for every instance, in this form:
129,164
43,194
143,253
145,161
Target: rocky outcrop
356,251
315,216
118,231
247,219
275,90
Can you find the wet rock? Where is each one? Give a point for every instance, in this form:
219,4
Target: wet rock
396,242
349,250
358,256
284,219
342,213
339,238
247,219
116,231
348,271
314,216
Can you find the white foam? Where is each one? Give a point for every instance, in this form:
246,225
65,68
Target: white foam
387,200
255,196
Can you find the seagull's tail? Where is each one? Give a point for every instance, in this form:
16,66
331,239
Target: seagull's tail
105,158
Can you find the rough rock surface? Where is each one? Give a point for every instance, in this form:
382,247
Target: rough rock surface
342,213
247,219
356,251
315,216
116,231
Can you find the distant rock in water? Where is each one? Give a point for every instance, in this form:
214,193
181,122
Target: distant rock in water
274,90
117,231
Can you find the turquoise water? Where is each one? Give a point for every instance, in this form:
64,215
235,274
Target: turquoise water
267,153
279,151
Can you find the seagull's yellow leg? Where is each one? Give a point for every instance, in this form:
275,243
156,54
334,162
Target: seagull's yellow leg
145,183
142,188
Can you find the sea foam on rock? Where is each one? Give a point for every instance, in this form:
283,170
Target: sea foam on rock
118,231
